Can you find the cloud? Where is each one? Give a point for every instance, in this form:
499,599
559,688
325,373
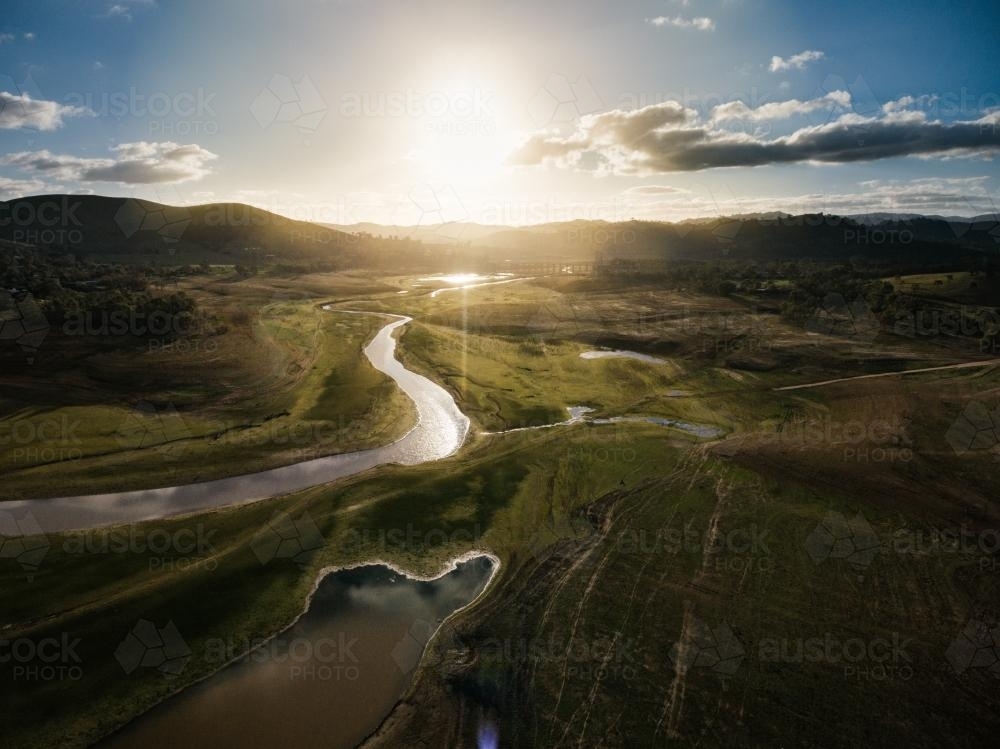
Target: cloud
927,193
98,65
21,111
907,102
653,190
15,188
123,8
611,130
781,110
670,138
6,38
140,163
627,126
950,196
699,23
795,62
29,36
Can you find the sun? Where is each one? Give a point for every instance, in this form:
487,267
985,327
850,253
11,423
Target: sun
464,134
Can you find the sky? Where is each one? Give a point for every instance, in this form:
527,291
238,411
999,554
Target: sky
513,112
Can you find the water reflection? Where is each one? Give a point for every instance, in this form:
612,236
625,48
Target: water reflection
441,429
622,354
327,681
465,281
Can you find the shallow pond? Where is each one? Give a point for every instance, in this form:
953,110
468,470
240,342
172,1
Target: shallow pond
328,680
622,354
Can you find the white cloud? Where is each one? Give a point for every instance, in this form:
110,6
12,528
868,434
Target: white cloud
700,23
21,111
795,62
654,190
667,137
123,8
29,36
6,38
908,102
140,163
780,110
15,188
949,196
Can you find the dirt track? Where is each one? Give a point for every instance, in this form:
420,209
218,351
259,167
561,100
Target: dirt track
965,365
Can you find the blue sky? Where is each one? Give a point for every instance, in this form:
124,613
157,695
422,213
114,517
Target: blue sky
513,112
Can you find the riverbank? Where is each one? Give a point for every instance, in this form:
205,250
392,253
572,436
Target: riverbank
299,665
439,431
266,379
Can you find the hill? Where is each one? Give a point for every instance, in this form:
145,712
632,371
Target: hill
130,230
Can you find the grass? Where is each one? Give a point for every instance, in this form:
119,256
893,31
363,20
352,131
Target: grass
958,287
223,590
614,539
629,582
284,382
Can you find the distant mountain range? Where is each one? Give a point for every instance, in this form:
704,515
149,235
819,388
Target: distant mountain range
141,231
467,232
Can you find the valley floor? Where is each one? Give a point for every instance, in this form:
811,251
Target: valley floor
780,582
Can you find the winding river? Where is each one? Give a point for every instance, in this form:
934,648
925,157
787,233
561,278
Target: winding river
335,673
440,430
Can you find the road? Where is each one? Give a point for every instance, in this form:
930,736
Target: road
965,365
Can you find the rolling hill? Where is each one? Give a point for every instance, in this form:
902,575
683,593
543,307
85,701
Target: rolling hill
130,230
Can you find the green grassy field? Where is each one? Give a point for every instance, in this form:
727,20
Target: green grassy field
655,588
284,381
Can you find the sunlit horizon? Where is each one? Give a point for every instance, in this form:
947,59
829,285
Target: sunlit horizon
513,115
